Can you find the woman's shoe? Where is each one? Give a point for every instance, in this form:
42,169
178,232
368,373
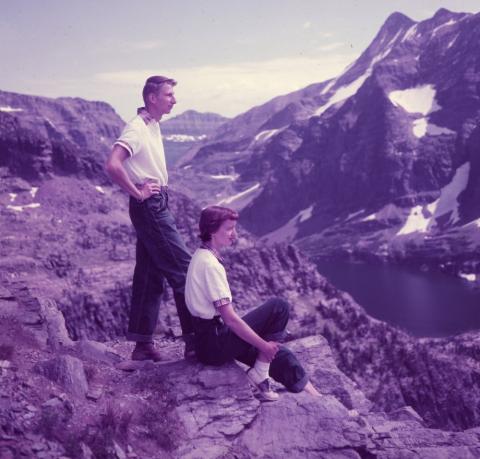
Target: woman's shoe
263,388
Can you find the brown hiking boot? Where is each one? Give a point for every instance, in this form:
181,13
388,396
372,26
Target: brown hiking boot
189,350
146,351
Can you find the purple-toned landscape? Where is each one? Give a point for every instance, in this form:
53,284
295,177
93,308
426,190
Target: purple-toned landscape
359,204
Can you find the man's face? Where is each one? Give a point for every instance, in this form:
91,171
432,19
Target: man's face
163,101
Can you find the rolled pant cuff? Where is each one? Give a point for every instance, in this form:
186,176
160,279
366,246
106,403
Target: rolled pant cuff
299,385
139,338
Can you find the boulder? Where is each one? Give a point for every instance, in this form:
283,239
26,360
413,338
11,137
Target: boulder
66,371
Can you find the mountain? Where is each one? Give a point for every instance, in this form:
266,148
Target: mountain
379,162
192,123
41,136
187,130
67,253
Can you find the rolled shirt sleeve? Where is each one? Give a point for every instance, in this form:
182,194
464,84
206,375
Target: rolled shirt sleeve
217,288
130,139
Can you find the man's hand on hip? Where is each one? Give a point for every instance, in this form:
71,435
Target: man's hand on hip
148,189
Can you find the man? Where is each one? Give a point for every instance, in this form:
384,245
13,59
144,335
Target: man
137,165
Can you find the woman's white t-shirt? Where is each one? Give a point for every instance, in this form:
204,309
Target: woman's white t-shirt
206,288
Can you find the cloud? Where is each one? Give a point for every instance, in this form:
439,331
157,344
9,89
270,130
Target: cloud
331,46
231,89
145,45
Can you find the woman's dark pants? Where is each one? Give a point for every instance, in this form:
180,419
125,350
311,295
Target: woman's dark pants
216,344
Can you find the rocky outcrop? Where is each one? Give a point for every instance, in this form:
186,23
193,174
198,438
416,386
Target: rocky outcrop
79,251
182,409
40,136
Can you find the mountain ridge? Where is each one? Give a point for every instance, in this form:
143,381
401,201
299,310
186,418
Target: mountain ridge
392,129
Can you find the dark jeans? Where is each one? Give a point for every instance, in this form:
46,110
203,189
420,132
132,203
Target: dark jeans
216,344
161,254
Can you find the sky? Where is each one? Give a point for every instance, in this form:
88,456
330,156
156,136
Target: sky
227,56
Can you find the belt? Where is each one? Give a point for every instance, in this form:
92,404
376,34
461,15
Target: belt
163,188
206,325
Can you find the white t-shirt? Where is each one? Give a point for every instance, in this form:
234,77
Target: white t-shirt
206,288
147,158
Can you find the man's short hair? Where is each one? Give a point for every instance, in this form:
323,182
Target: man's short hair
212,218
153,85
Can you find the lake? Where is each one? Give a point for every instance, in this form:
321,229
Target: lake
421,303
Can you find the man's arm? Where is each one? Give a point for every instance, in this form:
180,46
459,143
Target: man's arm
243,330
118,174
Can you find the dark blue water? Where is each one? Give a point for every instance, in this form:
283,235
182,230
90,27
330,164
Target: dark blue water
423,304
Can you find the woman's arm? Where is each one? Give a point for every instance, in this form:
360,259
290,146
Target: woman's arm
243,330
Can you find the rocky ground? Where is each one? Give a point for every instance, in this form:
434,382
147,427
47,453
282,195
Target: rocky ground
62,398
67,251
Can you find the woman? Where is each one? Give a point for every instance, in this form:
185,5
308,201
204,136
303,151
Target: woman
220,334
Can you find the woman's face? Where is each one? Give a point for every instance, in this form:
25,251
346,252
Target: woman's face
226,235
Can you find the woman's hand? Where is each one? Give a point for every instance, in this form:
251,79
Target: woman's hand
269,350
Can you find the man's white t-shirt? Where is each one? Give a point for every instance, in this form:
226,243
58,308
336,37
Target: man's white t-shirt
147,158
206,287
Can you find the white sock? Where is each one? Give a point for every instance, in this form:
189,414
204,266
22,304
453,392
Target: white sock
260,369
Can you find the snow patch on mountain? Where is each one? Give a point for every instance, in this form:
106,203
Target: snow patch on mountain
388,212
224,177
452,41
421,99
344,92
33,205
448,200
100,189
265,135
328,87
289,230
420,127
410,33
184,138
471,277
12,196
423,218
305,214
416,100
8,109
433,129
417,222
238,196
354,214
449,23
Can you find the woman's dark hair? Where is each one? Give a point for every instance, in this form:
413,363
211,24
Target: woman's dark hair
212,218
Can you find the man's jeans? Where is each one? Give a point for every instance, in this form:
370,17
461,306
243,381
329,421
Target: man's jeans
216,344
161,254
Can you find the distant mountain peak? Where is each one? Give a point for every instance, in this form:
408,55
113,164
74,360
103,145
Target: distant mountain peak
397,21
443,12
192,123
194,114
